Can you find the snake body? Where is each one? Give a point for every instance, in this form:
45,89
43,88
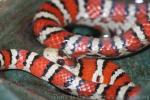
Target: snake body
90,77
132,22
111,82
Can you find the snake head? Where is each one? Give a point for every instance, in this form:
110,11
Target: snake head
58,57
52,54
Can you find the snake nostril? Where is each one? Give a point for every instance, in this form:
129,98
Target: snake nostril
61,61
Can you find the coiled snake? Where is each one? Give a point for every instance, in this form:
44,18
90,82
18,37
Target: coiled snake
65,67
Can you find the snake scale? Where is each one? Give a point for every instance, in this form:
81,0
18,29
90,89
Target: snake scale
65,67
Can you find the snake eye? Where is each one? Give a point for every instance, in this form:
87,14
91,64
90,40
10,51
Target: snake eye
61,61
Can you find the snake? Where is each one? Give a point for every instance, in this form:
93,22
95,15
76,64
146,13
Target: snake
74,62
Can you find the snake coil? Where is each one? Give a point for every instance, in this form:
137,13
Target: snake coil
85,76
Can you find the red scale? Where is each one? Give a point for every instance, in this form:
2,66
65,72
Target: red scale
131,41
21,59
108,48
51,9
119,13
